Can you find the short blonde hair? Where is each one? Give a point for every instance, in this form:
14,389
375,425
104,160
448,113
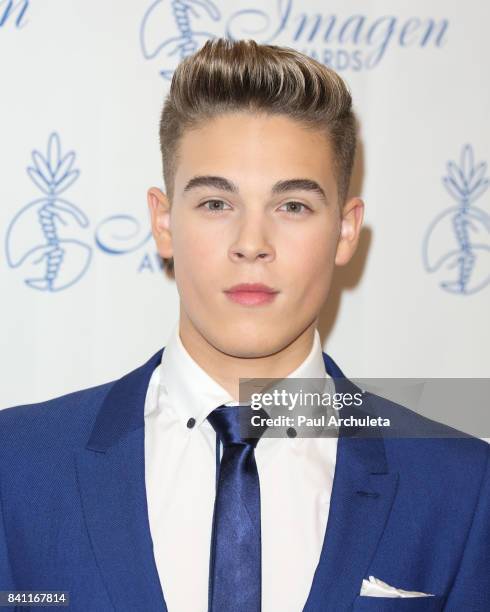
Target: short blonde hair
228,76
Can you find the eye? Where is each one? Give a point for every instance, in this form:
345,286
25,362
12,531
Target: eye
213,208
297,205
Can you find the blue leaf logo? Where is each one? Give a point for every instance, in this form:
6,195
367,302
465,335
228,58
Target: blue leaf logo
457,241
34,237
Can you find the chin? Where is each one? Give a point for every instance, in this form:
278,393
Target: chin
248,339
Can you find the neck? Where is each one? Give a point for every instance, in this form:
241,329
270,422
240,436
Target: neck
227,369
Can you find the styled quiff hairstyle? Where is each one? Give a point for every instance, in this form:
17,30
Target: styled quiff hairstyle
228,76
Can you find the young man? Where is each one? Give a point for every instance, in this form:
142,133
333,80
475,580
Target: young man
142,494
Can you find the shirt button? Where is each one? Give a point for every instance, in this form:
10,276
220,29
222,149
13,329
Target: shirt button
191,422
291,432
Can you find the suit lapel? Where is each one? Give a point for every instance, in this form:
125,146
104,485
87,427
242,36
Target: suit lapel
111,478
361,501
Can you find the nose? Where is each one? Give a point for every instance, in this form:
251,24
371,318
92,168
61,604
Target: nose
251,243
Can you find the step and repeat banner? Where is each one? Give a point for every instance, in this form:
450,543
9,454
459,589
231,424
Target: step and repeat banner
84,298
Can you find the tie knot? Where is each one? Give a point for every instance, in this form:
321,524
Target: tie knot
230,421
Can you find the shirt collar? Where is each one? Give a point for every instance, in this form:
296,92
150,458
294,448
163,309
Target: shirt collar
195,394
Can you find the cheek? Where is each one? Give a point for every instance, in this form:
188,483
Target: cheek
193,234
309,279
311,256
309,266
196,255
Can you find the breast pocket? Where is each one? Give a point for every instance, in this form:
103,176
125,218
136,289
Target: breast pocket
398,604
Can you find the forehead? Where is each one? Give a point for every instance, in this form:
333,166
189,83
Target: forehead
257,148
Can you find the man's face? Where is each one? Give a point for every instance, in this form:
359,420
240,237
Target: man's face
287,239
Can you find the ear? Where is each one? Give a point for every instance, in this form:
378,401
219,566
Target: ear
351,221
159,207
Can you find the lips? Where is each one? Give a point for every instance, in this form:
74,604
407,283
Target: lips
251,294
252,287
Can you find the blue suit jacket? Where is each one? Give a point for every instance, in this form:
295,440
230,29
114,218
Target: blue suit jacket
413,512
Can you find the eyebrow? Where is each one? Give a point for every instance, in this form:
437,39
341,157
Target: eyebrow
220,182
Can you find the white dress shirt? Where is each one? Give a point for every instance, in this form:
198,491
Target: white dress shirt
295,474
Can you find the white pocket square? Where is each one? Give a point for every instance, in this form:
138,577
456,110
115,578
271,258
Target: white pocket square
378,588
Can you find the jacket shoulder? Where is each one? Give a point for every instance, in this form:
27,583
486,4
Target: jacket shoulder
65,418
63,422
438,457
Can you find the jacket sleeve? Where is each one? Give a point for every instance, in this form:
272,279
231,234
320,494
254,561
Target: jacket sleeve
6,579
471,588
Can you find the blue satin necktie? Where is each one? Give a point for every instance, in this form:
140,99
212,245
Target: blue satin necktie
235,559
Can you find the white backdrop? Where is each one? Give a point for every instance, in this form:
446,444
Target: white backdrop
83,300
